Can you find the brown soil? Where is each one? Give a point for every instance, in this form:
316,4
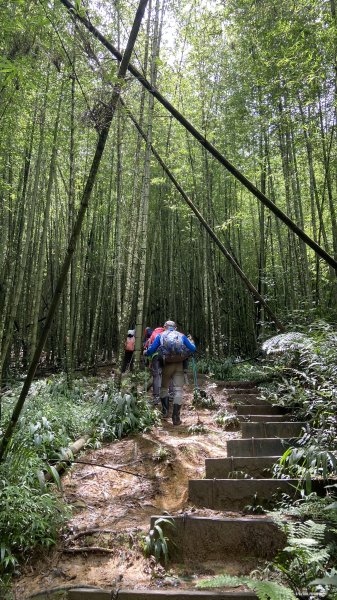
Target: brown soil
102,545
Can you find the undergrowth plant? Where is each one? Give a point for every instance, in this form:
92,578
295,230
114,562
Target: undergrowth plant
118,415
305,557
156,542
203,400
264,590
306,363
160,454
233,368
197,428
226,420
31,513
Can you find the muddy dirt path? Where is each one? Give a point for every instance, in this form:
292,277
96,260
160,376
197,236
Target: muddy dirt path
102,544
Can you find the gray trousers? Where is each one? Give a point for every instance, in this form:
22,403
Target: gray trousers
157,369
175,372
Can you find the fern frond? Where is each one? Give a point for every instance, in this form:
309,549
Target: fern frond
221,581
286,342
270,590
308,530
265,590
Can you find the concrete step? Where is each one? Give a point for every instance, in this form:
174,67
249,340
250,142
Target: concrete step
245,391
259,446
235,494
144,594
287,429
194,538
263,418
260,409
239,399
254,466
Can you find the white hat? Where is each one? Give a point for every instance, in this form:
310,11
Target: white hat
131,332
169,324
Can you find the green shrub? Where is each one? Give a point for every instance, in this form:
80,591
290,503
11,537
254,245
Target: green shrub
228,421
121,414
29,518
233,369
155,543
30,512
203,400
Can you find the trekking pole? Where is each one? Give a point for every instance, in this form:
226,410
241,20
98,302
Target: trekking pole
145,382
196,388
195,375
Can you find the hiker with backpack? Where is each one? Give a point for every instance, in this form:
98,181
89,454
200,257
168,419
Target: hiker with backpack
129,348
173,349
155,366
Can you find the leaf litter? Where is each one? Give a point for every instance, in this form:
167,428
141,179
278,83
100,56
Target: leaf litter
102,543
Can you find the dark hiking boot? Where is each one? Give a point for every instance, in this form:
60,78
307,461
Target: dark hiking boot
165,407
176,414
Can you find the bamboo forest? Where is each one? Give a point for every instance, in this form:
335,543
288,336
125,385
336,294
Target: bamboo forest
168,299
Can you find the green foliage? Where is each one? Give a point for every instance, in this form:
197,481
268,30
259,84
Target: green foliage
265,590
197,428
255,508
226,420
306,463
232,369
161,453
313,507
121,414
54,415
155,543
203,400
30,513
305,556
306,363
307,387
330,580
35,519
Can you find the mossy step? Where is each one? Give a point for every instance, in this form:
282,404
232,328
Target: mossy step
246,385
259,446
239,399
245,391
263,418
212,538
254,466
236,494
144,594
286,429
260,409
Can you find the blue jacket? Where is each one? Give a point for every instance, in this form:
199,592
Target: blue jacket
156,343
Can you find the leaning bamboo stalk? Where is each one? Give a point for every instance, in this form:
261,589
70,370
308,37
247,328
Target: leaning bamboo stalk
204,142
103,135
210,231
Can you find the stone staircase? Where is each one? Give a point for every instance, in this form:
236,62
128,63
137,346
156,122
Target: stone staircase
233,482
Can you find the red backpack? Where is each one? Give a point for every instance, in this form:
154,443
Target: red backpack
130,343
154,334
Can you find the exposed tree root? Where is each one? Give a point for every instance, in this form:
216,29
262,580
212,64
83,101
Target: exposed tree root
93,549
62,588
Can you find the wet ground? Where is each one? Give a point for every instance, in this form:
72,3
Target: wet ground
102,544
